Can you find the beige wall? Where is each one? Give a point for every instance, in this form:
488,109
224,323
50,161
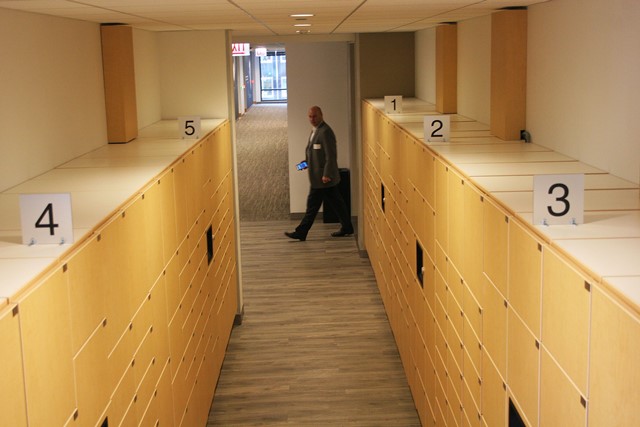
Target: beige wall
146,61
425,59
474,68
583,85
52,107
193,74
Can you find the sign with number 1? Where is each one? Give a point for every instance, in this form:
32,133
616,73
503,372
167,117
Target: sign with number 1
558,199
437,128
393,104
189,127
46,218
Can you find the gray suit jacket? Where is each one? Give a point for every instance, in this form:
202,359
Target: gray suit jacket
322,157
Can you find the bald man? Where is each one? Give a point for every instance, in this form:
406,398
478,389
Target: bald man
324,177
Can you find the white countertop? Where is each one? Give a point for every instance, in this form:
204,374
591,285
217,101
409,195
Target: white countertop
607,243
99,182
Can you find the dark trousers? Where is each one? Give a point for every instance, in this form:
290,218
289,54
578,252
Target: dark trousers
334,199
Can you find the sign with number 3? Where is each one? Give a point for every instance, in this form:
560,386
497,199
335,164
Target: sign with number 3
558,199
46,218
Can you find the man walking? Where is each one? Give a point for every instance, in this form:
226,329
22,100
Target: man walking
322,160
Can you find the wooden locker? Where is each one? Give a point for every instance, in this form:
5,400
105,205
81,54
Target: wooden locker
165,397
426,175
440,359
47,351
430,379
454,400
172,284
494,396
494,326
472,312
412,161
473,239
442,205
440,310
456,212
429,216
167,212
525,275
496,245
566,304
456,288
88,282
160,321
153,233
144,353
472,391
429,293
471,401
145,391
13,410
137,278
560,402
118,305
93,384
180,197
613,375
523,367
473,350
441,408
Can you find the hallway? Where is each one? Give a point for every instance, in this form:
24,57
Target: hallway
315,347
263,170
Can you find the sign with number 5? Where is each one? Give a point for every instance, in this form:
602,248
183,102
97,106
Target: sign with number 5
558,199
46,218
189,127
437,128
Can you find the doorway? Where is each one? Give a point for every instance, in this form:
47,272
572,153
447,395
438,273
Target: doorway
273,76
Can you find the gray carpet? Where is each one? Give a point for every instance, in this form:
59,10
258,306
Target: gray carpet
263,170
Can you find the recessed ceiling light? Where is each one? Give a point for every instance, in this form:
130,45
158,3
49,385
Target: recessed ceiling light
301,15
301,25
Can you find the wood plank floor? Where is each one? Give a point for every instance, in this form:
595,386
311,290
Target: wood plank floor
315,347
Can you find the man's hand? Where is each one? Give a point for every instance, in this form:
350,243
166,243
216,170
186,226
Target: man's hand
326,179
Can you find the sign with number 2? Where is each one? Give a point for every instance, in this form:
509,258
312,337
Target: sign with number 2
437,128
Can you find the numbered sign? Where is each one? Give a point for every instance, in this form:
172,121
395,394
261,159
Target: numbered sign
393,104
558,199
46,218
437,128
189,127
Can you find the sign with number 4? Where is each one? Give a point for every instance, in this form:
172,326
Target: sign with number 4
437,128
189,127
558,199
46,218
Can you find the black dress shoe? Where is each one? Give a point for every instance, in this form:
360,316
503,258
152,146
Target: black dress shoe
341,233
295,235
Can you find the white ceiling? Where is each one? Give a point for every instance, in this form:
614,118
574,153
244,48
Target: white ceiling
269,18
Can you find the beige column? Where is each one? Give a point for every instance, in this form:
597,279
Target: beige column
508,73
447,68
119,83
